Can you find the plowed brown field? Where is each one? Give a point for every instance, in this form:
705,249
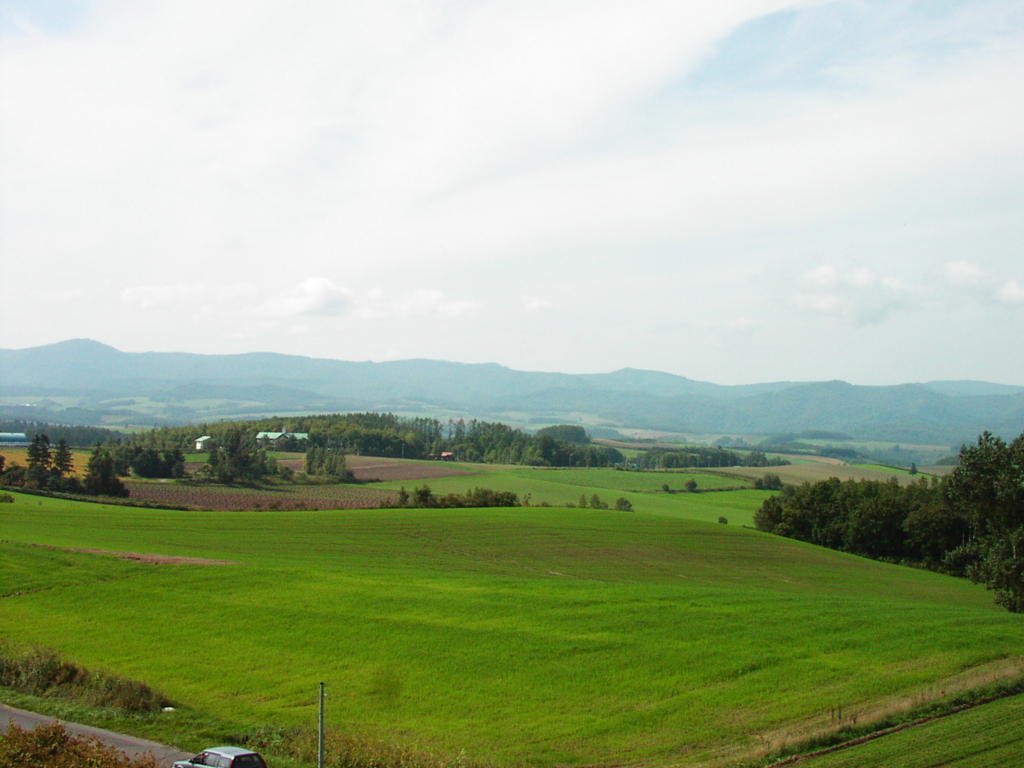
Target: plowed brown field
216,497
375,468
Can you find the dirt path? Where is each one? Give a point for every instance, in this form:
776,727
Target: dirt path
130,745
143,557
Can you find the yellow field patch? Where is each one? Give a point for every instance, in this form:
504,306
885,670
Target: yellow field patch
79,459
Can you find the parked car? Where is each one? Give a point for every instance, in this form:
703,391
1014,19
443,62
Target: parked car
224,757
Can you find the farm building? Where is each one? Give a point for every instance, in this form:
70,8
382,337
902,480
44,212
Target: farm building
13,438
275,438
202,443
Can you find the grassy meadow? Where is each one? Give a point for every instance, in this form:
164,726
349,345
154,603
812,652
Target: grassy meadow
520,636
813,472
558,487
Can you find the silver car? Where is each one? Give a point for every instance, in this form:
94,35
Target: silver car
224,757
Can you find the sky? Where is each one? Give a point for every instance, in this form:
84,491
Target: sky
730,190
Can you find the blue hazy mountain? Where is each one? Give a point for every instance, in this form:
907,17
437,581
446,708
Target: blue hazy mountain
83,381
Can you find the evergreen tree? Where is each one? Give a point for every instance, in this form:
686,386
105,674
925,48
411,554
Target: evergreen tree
63,462
39,460
101,476
237,457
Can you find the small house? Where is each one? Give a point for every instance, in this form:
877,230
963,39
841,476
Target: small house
203,443
272,439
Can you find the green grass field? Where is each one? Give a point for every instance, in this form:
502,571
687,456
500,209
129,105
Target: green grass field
565,486
986,736
812,472
522,636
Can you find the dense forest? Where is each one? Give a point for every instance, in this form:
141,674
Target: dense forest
75,436
969,524
385,434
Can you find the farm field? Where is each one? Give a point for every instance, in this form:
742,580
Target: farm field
559,487
535,486
983,737
214,497
79,458
523,636
374,468
795,474
899,471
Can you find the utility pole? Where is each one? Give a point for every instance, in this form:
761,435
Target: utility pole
320,732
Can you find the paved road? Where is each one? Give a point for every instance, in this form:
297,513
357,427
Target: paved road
131,745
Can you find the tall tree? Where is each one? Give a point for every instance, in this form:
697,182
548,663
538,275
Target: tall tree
63,461
988,488
39,460
101,474
38,453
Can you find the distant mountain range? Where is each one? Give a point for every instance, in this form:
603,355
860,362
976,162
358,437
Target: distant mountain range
85,382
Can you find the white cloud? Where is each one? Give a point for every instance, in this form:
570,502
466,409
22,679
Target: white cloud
145,297
963,273
1011,292
465,154
985,286
201,298
422,302
740,323
313,296
823,276
532,304
854,293
431,302
825,303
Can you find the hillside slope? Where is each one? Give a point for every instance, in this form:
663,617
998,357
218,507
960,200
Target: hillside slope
519,636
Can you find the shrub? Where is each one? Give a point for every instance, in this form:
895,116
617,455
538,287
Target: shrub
770,482
343,750
6,498
477,497
52,746
42,672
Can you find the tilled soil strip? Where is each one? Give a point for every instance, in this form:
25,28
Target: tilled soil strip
142,557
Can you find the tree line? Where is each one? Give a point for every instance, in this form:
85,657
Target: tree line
389,435
423,496
74,436
51,468
699,456
970,523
